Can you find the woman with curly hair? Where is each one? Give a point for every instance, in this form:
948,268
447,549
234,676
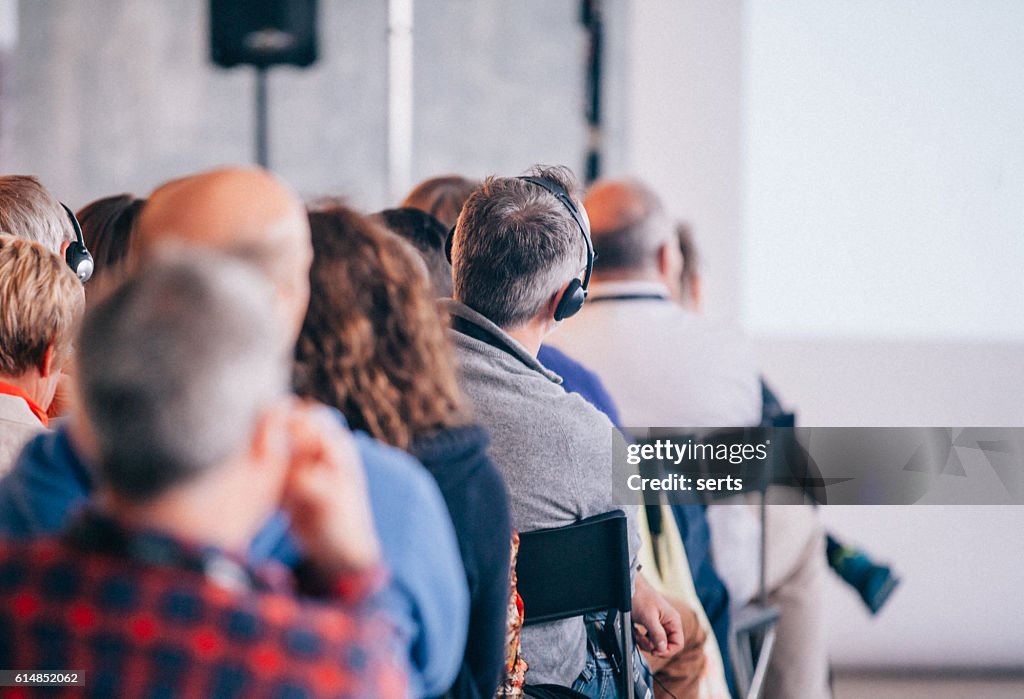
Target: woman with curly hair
373,345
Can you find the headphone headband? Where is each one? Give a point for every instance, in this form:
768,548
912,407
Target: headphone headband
576,293
558,191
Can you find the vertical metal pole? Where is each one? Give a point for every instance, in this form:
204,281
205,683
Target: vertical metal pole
400,97
262,146
764,546
591,18
627,653
8,42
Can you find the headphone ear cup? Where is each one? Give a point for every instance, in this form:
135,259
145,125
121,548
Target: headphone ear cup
572,300
79,260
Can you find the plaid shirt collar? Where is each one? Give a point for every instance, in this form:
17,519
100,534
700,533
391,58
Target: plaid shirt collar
97,532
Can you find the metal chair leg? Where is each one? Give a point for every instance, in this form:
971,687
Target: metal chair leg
626,622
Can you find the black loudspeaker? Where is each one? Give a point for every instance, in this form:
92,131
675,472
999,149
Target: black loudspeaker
263,33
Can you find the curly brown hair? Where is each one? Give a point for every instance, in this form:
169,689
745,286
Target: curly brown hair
373,343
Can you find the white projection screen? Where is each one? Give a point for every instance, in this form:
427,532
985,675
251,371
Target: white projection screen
883,162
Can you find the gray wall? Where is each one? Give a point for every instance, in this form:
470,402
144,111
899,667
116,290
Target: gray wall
107,96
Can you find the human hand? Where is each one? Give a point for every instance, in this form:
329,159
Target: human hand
658,626
325,493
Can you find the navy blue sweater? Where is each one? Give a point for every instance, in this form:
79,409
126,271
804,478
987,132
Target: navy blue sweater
478,503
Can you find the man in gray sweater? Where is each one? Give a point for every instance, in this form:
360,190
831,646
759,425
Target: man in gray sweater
521,260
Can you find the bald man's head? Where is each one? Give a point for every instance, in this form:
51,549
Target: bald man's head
628,225
245,212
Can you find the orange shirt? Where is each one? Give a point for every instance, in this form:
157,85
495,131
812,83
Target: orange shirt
18,392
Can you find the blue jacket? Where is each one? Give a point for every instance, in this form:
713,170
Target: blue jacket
576,378
478,503
427,595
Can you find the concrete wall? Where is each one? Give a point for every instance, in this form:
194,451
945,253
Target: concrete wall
106,96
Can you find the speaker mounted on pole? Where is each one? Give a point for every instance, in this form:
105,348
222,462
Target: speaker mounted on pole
262,34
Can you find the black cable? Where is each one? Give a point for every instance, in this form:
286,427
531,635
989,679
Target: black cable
655,676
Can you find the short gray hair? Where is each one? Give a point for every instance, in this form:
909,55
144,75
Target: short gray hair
515,246
175,368
28,210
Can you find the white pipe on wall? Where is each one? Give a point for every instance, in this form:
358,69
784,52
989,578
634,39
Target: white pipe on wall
400,97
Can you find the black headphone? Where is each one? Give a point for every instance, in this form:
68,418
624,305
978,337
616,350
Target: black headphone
576,293
77,255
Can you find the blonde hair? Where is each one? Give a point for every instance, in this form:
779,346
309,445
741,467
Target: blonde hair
29,211
41,302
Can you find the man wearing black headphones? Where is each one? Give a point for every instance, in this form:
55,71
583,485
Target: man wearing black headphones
28,210
521,263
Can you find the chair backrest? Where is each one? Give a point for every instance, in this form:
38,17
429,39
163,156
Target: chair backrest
574,570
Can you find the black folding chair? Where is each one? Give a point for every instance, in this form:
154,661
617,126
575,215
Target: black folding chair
578,569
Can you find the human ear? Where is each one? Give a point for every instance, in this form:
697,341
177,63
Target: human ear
47,365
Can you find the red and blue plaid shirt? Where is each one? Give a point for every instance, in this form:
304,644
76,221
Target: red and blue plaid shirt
140,614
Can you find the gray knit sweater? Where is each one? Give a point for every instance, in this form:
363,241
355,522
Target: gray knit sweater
555,452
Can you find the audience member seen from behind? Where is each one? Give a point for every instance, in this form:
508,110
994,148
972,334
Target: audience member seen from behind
373,345
441,197
107,228
106,225
426,234
196,448
516,250
41,301
429,237
453,191
249,213
669,366
688,289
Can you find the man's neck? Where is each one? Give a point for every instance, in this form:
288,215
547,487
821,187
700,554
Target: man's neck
643,275
200,513
529,335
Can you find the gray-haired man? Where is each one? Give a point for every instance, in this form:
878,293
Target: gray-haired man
249,213
197,444
520,262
